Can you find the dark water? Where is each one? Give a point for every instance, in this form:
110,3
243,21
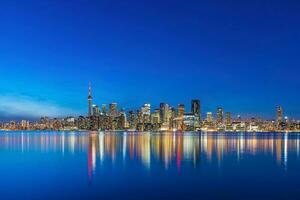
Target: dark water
82,165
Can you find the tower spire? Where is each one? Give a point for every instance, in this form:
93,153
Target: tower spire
90,89
90,99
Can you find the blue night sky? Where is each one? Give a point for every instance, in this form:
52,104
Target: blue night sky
241,55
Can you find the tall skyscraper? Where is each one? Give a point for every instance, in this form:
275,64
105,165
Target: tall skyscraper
96,110
180,110
279,114
155,117
228,118
164,113
132,120
113,109
209,117
195,108
104,109
90,101
219,115
146,110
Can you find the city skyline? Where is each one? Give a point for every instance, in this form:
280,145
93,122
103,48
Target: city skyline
186,107
164,117
139,52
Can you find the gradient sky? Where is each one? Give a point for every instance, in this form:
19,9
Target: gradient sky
241,55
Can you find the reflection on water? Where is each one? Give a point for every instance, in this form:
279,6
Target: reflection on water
166,148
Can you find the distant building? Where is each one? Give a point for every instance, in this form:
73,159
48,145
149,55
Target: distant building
195,108
180,110
228,118
155,117
164,113
279,114
104,109
146,111
281,124
189,121
121,121
96,110
113,109
132,120
219,115
209,117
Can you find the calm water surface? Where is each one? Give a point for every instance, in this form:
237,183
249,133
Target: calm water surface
85,165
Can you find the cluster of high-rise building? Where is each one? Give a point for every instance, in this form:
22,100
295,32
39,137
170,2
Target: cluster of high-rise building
162,118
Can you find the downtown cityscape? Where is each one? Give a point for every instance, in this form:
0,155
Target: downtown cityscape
146,100
162,118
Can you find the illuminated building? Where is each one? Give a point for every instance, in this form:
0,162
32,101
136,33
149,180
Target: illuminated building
281,125
189,120
146,113
279,114
180,110
82,123
209,117
44,123
90,101
12,125
165,116
172,113
132,120
57,124
219,115
155,117
69,123
172,116
121,121
105,122
178,120
195,108
146,109
104,109
163,111
140,118
96,110
228,118
113,109
24,125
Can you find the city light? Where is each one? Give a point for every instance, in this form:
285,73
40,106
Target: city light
164,118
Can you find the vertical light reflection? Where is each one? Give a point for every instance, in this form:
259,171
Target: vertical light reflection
174,144
179,151
146,151
92,155
22,142
203,143
210,142
94,152
124,146
285,155
131,146
278,150
71,143
101,146
297,146
219,148
167,149
63,143
188,148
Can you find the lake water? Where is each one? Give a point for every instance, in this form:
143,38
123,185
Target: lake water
87,165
